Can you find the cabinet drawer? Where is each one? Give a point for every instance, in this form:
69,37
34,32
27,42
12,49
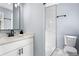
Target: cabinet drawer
14,45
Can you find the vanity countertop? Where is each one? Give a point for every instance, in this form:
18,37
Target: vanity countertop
17,37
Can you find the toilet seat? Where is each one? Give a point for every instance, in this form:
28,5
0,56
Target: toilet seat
70,50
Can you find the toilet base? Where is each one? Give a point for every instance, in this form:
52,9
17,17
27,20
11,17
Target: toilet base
61,52
70,50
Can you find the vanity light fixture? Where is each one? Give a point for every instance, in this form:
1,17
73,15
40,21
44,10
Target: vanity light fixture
16,5
9,3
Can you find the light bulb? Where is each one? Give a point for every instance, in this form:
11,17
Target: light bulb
9,3
16,5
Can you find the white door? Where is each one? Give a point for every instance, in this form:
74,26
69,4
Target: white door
50,35
28,50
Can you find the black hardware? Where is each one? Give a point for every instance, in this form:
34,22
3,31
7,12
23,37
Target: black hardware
22,50
19,52
61,16
8,34
44,3
21,32
11,33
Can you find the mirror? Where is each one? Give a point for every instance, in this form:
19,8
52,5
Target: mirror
9,16
16,16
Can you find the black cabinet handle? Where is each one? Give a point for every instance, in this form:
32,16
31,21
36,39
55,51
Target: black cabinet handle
22,50
19,52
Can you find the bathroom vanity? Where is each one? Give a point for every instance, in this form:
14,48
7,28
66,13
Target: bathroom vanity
19,45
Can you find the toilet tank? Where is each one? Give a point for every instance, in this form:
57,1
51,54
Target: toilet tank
70,40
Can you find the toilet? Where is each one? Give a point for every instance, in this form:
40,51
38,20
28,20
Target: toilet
69,47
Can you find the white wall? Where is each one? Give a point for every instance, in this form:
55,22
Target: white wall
67,25
34,22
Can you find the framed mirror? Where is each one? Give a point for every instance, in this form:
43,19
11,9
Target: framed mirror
9,16
16,19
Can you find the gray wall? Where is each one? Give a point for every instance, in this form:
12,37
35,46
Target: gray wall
67,25
34,22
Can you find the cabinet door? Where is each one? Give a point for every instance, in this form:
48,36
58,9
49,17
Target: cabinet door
12,53
28,50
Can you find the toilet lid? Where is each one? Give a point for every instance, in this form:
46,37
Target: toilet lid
70,49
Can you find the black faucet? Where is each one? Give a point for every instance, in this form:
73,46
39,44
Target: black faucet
11,33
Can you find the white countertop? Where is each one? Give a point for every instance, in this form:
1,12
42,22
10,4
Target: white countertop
17,37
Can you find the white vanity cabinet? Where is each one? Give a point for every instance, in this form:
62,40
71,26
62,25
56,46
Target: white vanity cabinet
22,47
23,51
28,50
12,53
